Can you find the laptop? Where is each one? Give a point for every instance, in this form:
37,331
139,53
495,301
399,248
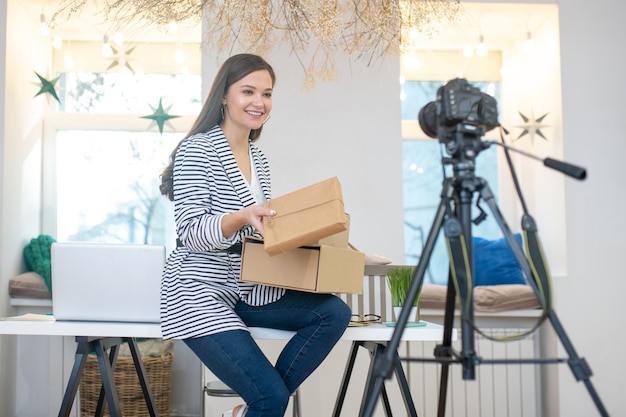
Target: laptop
106,282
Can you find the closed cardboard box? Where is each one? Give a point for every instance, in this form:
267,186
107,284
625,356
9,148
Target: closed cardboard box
316,268
304,217
341,239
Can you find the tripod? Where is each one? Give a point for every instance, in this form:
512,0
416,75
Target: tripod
453,216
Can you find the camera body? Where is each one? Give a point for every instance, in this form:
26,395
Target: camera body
459,103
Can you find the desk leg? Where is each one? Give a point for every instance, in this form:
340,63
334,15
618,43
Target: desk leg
346,379
143,378
108,383
375,350
72,386
112,359
404,388
106,364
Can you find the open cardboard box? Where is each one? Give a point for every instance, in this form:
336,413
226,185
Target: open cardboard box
314,268
304,216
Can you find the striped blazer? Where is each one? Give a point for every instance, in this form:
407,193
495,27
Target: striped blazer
200,283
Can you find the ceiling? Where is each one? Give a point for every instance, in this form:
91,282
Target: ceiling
499,23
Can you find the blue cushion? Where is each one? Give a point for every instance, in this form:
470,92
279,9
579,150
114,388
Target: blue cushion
494,262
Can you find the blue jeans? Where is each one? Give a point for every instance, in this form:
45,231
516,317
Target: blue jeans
234,357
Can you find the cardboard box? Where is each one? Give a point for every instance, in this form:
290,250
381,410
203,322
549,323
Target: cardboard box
304,216
316,268
340,240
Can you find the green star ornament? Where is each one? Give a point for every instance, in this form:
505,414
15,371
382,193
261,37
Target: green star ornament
47,86
160,116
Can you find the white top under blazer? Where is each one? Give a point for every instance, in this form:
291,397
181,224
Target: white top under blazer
200,283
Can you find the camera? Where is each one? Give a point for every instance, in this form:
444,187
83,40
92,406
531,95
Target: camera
459,104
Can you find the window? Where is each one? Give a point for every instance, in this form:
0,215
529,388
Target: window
103,159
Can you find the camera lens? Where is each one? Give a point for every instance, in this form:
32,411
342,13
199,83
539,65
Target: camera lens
427,118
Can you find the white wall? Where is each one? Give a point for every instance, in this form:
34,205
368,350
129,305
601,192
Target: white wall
347,129
350,129
589,301
21,160
4,341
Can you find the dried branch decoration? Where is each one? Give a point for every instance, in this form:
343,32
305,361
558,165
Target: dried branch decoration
364,29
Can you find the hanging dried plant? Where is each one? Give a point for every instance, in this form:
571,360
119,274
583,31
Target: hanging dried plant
366,30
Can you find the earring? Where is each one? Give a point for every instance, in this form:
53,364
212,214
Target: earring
222,111
266,119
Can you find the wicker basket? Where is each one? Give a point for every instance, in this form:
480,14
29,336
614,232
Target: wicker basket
132,402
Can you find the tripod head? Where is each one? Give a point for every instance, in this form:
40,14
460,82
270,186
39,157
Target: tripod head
463,143
458,118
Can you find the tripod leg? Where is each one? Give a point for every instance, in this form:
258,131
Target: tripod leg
443,350
578,365
460,253
384,364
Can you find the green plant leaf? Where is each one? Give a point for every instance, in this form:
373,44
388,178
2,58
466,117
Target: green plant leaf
399,281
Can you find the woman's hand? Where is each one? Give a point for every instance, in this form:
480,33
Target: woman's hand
252,215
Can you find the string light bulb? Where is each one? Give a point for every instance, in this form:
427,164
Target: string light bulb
179,54
57,43
69,61
481,48
44,29
529,44
107,51
412,61
172,28
468,51
118,38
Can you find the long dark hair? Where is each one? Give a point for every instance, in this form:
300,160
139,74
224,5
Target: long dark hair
232,70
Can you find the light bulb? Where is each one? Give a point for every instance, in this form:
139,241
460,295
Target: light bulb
107,51
44,30
529,44
57,43
118,38
179,55
412,62
69,62
172,28
468,51
481,48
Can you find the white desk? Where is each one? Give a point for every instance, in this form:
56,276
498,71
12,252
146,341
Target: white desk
374,332
373,337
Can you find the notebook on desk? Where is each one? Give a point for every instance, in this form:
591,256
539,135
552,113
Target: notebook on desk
106,282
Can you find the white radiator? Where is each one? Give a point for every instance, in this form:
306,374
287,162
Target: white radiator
511,390
498,390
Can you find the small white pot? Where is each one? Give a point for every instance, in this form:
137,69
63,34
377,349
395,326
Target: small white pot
413,316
